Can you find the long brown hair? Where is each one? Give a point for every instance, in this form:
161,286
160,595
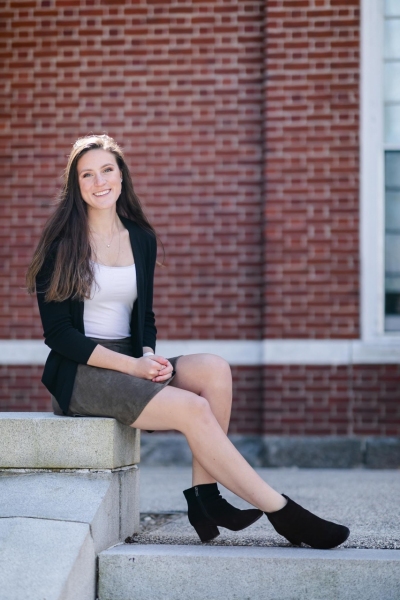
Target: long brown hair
66,232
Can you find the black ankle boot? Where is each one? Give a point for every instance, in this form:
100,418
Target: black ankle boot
207,509
299,525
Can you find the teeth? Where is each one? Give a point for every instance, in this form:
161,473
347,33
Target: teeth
102,193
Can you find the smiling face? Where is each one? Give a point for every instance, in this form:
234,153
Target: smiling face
99,178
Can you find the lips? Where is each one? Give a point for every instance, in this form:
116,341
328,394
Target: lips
103,193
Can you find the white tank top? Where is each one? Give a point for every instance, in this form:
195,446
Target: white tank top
107,313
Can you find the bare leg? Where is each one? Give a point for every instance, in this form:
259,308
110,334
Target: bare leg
173,408
209,376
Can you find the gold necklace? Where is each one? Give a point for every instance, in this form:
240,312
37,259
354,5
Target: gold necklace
112,237
116,260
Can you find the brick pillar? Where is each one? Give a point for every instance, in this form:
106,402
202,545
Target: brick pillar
311,265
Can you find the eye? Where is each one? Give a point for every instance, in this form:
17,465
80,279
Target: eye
86,175
108,169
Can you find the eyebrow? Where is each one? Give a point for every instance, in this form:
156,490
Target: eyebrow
106,165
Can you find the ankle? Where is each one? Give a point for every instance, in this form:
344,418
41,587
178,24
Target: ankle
276,503
196,483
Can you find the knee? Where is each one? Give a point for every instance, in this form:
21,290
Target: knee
217,365
218,372
198,408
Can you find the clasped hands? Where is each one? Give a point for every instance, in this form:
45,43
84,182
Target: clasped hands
154,367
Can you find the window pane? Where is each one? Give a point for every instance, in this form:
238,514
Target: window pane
392,216
392,8
392,240
392,164
392,124
392,323
392,288
392,262
392,38
392,171
392,257
392,82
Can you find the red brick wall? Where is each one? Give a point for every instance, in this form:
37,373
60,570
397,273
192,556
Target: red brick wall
311,169
22,390
180,87
323,400
240,123
358,400
247,405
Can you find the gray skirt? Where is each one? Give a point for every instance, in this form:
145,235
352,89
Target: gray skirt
101,392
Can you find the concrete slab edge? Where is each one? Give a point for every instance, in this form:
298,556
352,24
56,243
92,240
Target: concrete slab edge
175,572
251,551
84,471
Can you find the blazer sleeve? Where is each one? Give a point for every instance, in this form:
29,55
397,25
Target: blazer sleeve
59,333
150,331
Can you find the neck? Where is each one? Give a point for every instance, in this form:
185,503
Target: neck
104,222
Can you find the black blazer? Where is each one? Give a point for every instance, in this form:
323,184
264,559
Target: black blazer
63,326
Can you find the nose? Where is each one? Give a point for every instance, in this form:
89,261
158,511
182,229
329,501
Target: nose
99,179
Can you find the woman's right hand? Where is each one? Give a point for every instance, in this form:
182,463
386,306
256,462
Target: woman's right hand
151,367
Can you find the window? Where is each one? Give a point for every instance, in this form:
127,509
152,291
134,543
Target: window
392,163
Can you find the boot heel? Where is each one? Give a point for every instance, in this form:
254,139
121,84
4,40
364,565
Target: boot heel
294,542
206,531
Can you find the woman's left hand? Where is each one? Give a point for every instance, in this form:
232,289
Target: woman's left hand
164,372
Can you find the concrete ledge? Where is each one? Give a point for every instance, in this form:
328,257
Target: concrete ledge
242,352
44,440
283,451
313,452
199,572
383,453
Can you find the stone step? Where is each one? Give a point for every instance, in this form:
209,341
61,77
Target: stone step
174,572
46,441
69,488
46,559
107,501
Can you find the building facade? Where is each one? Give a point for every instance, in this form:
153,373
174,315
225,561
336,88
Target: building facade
264,141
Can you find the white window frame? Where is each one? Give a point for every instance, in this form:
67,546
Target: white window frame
372,179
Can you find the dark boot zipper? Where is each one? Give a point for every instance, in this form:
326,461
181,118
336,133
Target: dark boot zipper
203,508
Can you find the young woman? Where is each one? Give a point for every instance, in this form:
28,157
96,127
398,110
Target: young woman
93,275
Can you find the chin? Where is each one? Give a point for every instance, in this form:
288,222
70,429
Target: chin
109,204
